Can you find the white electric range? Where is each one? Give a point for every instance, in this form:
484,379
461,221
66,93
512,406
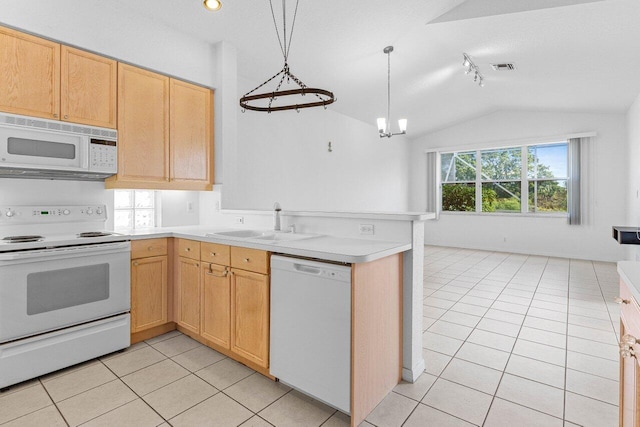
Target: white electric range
64,289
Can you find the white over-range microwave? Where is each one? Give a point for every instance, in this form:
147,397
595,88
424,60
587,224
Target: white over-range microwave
48,149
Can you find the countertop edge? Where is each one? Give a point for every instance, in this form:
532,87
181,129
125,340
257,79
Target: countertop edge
630,272
284,248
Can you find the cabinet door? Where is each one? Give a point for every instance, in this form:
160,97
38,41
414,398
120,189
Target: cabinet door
189,294
88,88
250,316
148,293
29,75
629,387
143,126
215,320
191,135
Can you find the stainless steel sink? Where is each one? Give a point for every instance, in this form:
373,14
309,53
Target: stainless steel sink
242,234
265,236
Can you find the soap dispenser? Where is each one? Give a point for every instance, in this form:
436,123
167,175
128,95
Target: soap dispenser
276,216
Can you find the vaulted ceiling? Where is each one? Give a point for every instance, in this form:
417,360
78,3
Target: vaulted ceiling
570,55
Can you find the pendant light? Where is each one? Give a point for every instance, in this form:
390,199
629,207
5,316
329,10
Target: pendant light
292,99
384,125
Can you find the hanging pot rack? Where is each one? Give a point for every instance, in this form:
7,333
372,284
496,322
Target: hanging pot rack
319,97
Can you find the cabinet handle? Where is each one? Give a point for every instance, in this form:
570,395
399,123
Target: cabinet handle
211,273
619,300
135,263
66,117
626,346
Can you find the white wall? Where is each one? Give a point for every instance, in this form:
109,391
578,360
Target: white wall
605,177
633,176
284,157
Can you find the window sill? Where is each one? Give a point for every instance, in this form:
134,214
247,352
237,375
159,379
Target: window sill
509,214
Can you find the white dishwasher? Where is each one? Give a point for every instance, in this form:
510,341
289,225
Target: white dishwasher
311,328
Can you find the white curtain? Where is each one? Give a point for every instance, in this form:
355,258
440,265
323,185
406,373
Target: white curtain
433,183
574,204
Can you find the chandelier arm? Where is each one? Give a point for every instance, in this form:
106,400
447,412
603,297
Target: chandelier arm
273,95
275,24
259,86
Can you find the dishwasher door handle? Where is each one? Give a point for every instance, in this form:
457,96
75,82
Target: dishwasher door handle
307,269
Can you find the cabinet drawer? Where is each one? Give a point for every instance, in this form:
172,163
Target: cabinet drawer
250,259
189,249
629,311
148,248
215,253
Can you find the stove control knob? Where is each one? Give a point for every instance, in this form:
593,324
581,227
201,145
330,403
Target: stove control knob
89,211
10,213
66,212
99,211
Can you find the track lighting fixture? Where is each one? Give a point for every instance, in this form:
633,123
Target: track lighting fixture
471,67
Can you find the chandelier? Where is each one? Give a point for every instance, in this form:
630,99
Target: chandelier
384,126
291,99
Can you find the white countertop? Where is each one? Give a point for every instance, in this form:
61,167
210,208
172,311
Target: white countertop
630,272
330,248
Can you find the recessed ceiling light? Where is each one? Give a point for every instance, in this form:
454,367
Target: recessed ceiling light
212,4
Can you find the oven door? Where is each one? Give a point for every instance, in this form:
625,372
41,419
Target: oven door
49,289
40,149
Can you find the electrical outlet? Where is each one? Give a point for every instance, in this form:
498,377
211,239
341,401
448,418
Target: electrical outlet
189,207
366,229
239,220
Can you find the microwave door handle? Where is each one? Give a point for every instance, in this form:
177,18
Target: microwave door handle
84,156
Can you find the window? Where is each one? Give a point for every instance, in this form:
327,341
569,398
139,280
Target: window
134,209
501,180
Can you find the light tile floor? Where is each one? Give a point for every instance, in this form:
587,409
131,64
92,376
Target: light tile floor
509,340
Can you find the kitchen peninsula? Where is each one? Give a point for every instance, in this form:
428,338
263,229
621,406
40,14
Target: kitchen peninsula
204,264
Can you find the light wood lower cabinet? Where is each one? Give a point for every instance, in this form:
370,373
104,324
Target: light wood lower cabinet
250,316
227,305
188,294
215,316
149,284
629,369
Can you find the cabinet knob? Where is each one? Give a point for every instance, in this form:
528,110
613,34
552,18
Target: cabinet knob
150,248
66,117
187,249
628,340
626,352
619,300
213,254
245,260
55,115
135,263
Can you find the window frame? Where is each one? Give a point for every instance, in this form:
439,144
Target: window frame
523,179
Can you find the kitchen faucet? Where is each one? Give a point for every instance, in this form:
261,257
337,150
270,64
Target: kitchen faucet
276,216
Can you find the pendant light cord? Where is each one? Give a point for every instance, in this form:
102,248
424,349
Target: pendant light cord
388,92
284,46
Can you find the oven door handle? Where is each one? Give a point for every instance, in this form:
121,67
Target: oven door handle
49,254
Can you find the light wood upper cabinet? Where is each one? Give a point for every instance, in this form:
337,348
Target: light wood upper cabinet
190,131
29,75
88,87
143,128
165,133
250,316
